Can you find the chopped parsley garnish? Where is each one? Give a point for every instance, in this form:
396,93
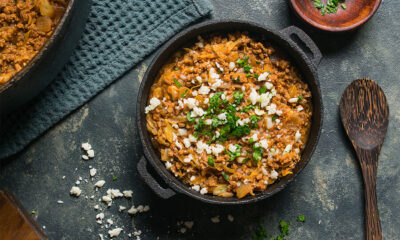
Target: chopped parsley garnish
274,118
115,178
238,96
177,83
258,62
235,154
184,93
236,79
284,228
251,140
299,98
33,212
176,68
247,108
262,89
189,117
260,233
257,154
255,76
248,74
244,63
301,218
226,177
331,6
210,161
254,120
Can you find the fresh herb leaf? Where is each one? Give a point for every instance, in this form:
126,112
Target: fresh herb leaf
196,134
211,161
189,117
274,118
260,233
33,212
247,108
263,89
244,63
257,154
184,93
284,226
238,96
301,218
255,76
226,177
235,154
251,140
343,6
115,178
248,74
299,98
177,83
176,68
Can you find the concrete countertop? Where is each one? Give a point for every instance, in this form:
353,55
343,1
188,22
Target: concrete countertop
329,191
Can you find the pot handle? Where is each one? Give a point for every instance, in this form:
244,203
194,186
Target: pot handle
308,42
164,193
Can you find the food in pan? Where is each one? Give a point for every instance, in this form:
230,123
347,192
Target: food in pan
229,115
25,25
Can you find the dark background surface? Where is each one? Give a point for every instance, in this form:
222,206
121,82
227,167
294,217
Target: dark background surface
328,191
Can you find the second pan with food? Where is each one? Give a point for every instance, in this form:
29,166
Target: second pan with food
229,187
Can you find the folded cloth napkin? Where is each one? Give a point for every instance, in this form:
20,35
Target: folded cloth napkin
118,35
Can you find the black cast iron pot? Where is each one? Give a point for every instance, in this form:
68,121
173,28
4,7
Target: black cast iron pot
283,39
49,60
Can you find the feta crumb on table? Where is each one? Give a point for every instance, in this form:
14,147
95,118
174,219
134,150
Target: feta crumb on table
230,218
60,202
114,232
215,219
100,183
75,191
93,172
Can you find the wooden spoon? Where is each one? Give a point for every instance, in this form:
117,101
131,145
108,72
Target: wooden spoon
365,116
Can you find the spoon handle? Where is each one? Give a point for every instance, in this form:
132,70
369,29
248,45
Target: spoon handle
369,164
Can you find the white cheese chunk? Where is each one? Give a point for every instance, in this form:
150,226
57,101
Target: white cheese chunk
154,102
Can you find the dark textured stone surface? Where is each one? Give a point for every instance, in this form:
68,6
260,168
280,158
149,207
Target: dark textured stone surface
328,192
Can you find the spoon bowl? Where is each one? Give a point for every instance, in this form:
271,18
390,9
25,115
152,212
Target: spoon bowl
365,116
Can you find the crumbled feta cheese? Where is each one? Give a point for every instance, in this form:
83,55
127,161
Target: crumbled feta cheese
197,112
182,230
75,191
206,101
259,112
232,148
132,210
297,136
183,77
274,174
215,219
194,93
223,96
232,66
188,159
92,172
154,102
96,207
146,208
182,132
271,109
190,102
101,236
86,146
297,150
100,183
230,218
246,120
110,222
287,148
203,191
222,116
90,153
208,121
239,122
107,200
201,146
255,137
128,193
77,182
100,216
300,108
115,232
60,202
168,165
217,149
85,157
293,100
268,85
175,126
217,134
264,171
186,142
263,76
196,188
178,144
192,178
198,78
264,144
265,98
216,84
213,74
121,208
192,138
254,97
137,233
278,112
114,193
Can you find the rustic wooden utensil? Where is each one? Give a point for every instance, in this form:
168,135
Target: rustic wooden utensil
15,222
365,117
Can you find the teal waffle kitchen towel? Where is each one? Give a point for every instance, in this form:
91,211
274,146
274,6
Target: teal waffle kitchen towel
118,35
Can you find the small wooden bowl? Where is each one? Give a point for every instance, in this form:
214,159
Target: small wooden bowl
356,14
